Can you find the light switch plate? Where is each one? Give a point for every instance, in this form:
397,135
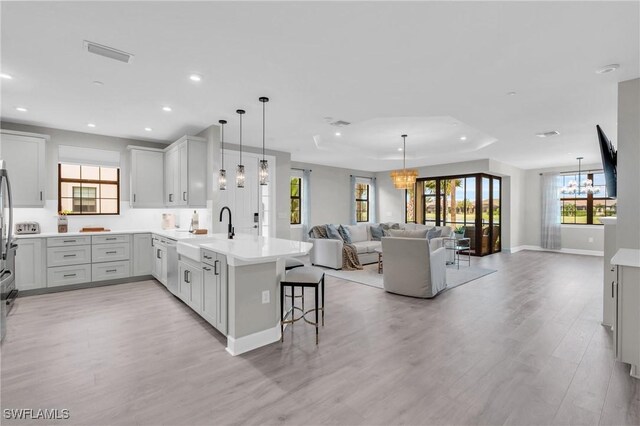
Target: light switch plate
266,296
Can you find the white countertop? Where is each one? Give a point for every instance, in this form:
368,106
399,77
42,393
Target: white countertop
174,234
626,257
244,247
611,220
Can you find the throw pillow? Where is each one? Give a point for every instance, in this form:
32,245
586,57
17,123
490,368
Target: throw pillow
377,232
434,233
345,234
399,233
332,232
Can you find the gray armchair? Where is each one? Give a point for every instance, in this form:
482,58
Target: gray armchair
412,269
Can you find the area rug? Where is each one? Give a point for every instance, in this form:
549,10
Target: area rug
370,276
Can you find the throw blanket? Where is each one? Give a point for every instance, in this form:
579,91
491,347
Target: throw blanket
350,260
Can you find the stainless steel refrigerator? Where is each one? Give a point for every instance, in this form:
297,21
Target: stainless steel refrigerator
7,250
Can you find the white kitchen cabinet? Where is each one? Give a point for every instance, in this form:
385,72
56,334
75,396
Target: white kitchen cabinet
110,270
24,156
609,271
190,284
147,178
627,308
214,291
142,255
160,263
31,268
185,173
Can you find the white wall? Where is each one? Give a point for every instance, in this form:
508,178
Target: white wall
128,218
574,237
628,226
330,194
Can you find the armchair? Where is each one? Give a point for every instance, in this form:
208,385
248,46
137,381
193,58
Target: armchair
326,252
412,269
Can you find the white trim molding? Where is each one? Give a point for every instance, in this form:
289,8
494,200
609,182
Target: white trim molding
561,251
253,341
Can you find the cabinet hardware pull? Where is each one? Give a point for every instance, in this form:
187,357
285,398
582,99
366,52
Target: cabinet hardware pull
69,255
40,195
158,254
215,267
111,239
612,288
184,196
134,198
206,269
189,277
112,270
69,241
171,198
111,252
207,257
69,275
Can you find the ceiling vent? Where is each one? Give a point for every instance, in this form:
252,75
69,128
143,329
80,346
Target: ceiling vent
340,123
548,134
108,52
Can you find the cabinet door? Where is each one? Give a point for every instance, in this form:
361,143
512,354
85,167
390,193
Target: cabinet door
182,181
147,178
195,280
197,176
142,255
221,288
163,266
210,296
24,159
184,286
157,263
30,264
170,163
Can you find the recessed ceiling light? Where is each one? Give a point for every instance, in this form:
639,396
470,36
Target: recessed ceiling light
6,76
91,125
195,77
399,149
608,68
21,109
511,93
166,108
97,83
547,134
463,138
338,133
148,129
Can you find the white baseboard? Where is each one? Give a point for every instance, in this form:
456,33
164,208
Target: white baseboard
253,341
562,251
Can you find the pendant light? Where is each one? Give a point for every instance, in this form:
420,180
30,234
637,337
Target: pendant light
240,168
580,188
222,176
264,166
405,178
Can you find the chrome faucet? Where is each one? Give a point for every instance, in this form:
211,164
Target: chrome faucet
230,232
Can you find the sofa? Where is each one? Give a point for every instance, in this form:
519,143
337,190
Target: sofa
411,268
328,252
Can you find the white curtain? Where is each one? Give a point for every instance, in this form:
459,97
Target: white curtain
352,200
373,208
306,204
550,237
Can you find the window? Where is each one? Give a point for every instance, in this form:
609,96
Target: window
362,202
296,200
88,190
586,209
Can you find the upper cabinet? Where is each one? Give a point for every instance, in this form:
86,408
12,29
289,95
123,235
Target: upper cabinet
185,173
147,177
24,156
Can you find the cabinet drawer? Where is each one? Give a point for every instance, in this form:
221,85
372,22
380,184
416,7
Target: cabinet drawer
110,270
72,255
66,275
68,241
107,239
109,252
207,257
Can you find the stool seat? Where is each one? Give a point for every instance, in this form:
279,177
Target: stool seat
304,275
292,262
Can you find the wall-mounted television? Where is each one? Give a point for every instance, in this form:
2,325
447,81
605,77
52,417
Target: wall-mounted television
609,163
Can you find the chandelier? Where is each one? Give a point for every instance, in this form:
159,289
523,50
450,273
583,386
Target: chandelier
577,187
405,178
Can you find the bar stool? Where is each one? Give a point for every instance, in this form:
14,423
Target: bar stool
303,277
291,263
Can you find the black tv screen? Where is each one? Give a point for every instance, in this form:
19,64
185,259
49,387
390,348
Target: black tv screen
609,163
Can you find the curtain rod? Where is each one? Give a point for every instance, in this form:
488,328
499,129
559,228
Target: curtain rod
302,170
363,177
576,171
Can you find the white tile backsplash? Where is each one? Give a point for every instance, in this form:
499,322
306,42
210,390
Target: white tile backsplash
127,219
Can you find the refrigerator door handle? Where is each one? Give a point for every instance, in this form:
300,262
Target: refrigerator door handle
10,229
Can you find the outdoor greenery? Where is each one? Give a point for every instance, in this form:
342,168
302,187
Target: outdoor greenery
296,199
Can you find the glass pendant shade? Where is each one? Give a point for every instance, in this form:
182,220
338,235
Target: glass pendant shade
222,180
575,187
240,176
263,173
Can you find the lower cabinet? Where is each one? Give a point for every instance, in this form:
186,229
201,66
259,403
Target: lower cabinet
190,283
626,330
67,275
142,255
214,298
110,270
31,268
159,270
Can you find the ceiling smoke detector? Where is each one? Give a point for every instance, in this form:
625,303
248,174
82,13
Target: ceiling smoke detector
547,134
108,52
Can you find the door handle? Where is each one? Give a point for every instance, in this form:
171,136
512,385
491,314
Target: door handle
184,196
40,195
187,278
158,254
215,267
612,284
171,198
134,198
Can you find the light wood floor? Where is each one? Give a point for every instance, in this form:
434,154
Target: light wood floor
520,346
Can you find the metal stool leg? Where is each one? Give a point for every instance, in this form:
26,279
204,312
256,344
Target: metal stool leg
281,313
316,289
323,300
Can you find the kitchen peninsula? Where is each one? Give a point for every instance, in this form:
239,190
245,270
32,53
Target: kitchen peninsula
245,273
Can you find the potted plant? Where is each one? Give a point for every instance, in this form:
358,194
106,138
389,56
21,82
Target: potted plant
458,232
